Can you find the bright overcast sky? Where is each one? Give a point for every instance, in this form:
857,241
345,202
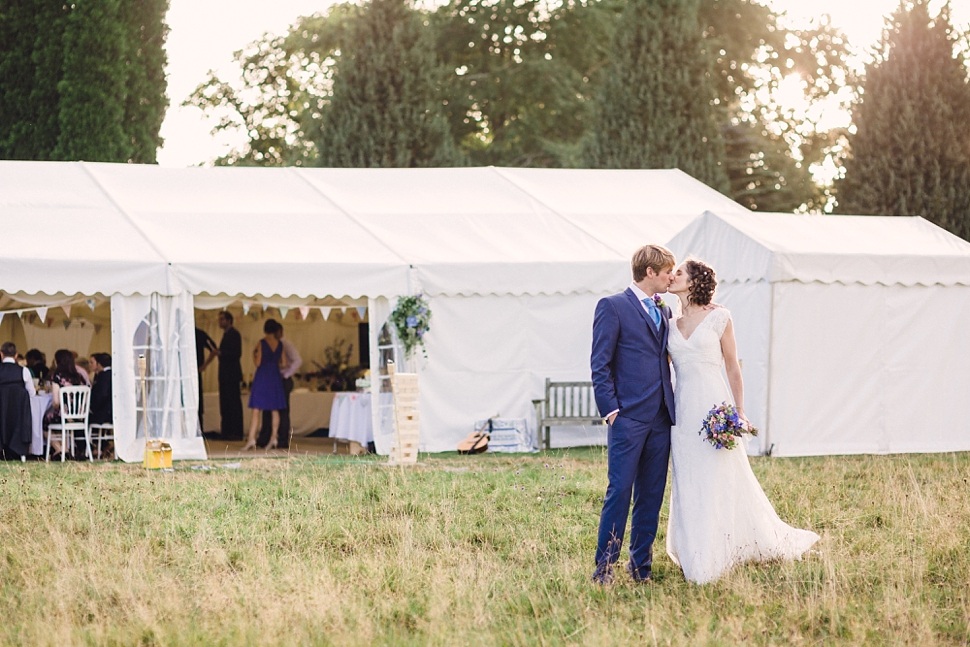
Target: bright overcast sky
205,33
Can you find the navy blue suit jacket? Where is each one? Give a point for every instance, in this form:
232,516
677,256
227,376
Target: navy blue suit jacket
629,359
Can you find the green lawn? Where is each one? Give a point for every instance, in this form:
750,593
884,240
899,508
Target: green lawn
483,550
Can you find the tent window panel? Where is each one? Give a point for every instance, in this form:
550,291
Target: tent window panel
160,406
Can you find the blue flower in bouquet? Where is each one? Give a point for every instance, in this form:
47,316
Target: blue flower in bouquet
412,321
723,427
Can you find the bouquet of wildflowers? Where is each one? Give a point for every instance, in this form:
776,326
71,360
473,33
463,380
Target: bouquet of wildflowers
411,317
723,427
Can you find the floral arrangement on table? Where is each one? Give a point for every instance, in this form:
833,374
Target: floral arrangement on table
411,317
723,427
336,373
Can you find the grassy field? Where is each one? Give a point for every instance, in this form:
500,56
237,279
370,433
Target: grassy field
485,550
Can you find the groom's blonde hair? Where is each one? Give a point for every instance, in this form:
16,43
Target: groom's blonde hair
655,257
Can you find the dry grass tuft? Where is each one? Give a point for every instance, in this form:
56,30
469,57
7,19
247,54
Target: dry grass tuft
485,550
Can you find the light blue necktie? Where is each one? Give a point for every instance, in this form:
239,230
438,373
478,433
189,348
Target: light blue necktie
653,311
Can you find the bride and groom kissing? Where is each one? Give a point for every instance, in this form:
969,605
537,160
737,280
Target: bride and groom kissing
719,515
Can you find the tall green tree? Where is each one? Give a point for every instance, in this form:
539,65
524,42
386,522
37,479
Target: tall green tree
83,80
387,105
145,58
31,34
656,107
285,86
524,72
910,153
92,86
523,78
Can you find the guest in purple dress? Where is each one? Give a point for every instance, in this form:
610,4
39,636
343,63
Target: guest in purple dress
266,393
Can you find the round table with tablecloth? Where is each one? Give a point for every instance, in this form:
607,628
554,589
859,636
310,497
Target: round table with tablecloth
350,418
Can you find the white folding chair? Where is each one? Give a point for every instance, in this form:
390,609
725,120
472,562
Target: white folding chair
75,406
101,431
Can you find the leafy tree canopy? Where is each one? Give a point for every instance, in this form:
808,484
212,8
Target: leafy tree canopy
910,152
524,76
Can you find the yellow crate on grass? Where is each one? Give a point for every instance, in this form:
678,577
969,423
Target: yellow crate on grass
158,455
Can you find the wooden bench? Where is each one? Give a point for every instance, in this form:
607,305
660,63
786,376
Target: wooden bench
567,404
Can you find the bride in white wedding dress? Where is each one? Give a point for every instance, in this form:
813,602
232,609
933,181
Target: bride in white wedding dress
719,515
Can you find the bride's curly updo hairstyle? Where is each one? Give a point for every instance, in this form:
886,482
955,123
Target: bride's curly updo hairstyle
702,282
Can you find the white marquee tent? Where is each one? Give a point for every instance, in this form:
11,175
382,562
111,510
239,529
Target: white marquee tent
511,260
852,329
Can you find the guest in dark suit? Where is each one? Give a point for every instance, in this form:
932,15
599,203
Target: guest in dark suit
16,385
203,343
101,401
230,380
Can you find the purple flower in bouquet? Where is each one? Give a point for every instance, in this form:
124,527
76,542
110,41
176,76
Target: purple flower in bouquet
658,301
723,427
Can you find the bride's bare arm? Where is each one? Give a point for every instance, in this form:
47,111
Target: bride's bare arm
729,348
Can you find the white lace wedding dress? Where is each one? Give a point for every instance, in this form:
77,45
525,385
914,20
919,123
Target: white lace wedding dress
719,515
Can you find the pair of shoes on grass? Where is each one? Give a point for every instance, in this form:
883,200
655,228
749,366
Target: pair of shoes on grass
603,575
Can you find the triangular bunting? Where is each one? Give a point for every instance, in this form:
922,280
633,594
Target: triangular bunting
1,317
361,312
246,306
42,313
343,310
325,312
97,328
67,310
67,323
304,312
265,307
91,303
283,311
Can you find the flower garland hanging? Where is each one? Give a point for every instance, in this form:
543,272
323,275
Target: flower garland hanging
410,318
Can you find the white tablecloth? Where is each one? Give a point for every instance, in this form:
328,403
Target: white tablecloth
38,407
350,417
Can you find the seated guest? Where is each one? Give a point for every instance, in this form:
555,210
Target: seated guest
101,407
81,366
64,374
37,363
16,387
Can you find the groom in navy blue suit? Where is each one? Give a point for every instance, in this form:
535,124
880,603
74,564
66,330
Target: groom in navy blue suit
631,381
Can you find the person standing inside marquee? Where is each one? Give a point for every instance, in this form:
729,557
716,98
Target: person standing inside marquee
230,380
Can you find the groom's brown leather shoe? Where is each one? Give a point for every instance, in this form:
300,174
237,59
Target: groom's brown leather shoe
638,574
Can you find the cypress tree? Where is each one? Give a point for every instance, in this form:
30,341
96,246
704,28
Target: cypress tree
92,87
16,75
386,109
145,98
910,153
50,19
83,80
656,108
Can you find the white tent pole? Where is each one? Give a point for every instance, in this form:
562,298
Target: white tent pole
769,414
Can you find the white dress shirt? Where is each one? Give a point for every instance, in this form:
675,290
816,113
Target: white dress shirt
641,295
28,378
293,360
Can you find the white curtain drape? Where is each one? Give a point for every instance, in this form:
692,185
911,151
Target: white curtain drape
161,328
